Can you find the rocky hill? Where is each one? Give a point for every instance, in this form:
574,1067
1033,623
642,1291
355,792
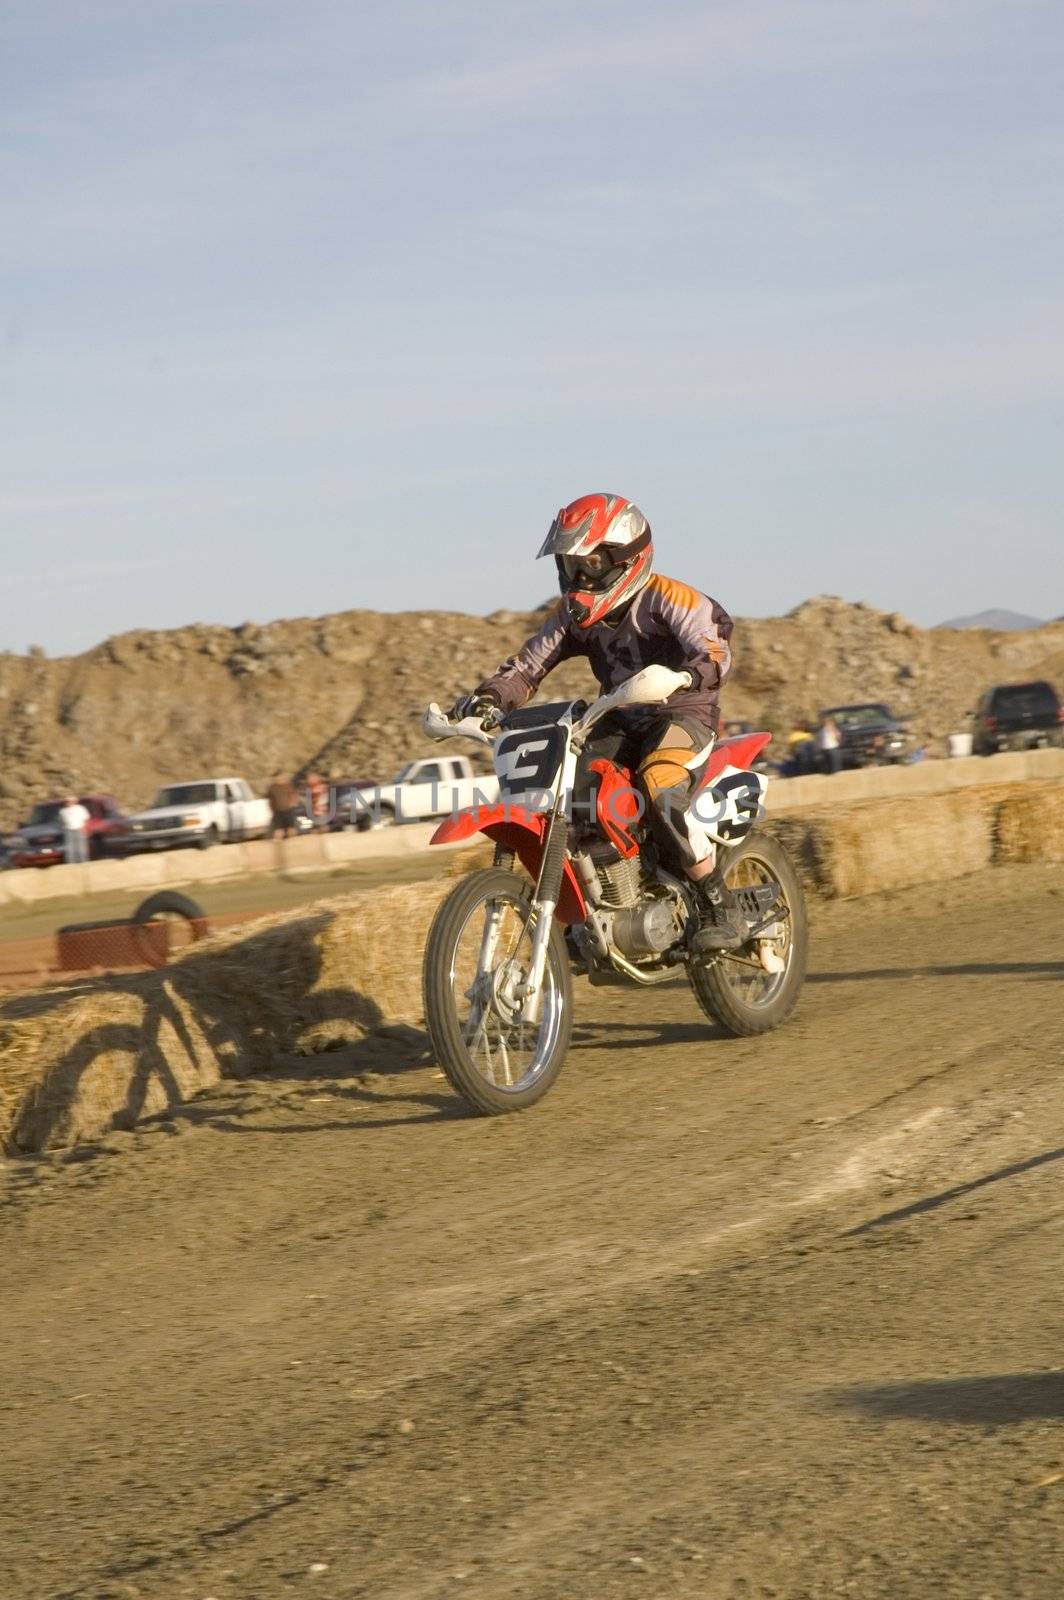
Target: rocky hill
344,692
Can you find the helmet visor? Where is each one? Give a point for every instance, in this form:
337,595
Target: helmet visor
562,541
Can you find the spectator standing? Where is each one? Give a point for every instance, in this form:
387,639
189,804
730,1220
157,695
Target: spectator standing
73,818
317,800
284,803
799,760
829,743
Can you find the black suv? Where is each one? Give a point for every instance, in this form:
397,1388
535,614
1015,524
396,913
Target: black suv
871,735
1017,716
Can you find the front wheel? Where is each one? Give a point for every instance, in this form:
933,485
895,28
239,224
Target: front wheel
476,956
736,988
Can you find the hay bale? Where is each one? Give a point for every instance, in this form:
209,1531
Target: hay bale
106,1059
1030,824
370,963
474,859
803,844
896,844
75,1063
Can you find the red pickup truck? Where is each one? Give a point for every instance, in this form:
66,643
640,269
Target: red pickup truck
39,840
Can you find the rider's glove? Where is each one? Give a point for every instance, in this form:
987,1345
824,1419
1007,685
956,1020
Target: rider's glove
483,706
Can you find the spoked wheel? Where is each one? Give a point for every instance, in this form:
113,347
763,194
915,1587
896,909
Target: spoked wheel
476,958
756,987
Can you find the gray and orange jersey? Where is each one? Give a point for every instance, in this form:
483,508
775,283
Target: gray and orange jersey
667,624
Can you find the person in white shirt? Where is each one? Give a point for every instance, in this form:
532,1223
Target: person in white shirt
829,743
73,816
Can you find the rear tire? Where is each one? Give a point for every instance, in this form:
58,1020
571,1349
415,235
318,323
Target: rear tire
715,987
454,918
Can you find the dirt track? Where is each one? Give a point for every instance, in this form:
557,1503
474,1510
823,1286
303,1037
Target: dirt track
719,1319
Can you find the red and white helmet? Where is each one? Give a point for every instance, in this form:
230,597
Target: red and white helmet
603,549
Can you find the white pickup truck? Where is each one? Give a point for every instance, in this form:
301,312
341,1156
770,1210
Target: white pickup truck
435,787
207,812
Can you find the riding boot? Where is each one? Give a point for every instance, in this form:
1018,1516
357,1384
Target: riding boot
720,922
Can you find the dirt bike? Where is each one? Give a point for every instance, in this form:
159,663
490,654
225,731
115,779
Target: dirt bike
598,898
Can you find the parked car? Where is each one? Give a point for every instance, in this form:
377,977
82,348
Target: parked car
432,788
1017,716
38,841
342,811
872,736
209,811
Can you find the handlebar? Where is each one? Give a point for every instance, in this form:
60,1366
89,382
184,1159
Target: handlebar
651,686
436,724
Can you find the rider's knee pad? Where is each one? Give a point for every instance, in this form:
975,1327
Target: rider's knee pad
663,770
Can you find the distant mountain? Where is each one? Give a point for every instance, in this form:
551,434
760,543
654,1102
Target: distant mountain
1002,621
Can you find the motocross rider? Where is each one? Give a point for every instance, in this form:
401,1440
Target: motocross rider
622,616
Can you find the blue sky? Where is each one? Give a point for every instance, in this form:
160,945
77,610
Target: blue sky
307,307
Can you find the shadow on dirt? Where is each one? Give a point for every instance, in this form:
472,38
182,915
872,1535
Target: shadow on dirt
988,1402
932,1202
971,969
242,1006
616,1035
367,1074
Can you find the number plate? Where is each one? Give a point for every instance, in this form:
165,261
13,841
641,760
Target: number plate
528,761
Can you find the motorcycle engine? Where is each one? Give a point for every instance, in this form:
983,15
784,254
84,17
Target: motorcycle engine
640,925
646,930
620,878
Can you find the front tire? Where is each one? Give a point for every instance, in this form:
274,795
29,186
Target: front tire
495,1063
733,989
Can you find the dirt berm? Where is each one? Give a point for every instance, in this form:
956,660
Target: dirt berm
74,1063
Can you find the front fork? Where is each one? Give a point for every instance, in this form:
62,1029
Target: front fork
530,993
544,901
489,939
525,998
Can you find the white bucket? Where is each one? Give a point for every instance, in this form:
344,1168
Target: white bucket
960,744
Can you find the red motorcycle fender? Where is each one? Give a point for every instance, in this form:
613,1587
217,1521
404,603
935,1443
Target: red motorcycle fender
522,832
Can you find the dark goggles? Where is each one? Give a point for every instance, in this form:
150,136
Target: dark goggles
596,570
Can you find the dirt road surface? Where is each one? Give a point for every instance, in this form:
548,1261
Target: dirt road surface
719,1320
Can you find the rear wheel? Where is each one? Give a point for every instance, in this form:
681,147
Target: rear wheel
736,988
477,952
